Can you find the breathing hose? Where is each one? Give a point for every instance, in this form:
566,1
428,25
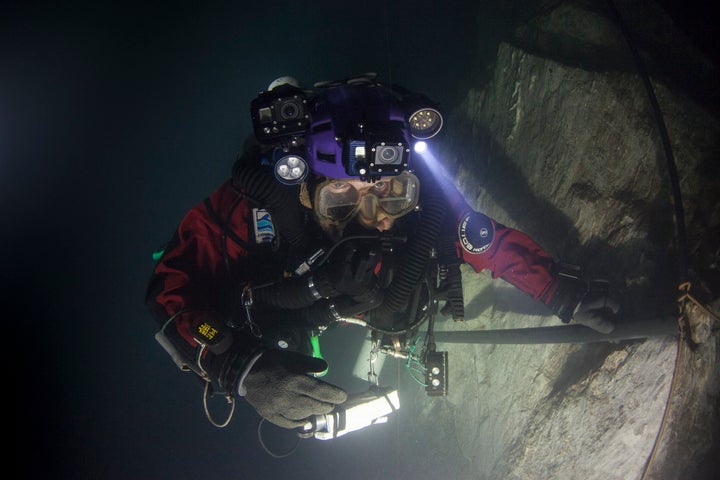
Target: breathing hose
419,247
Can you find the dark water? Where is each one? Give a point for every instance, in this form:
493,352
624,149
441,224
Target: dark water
115,119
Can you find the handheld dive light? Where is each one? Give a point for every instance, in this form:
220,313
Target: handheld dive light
358,412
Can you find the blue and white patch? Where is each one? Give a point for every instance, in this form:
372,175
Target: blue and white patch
476,232
263,226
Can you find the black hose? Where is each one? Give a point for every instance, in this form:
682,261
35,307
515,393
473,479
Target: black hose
667,147
659,327
322,313
294,293
415,262
289,293
310,317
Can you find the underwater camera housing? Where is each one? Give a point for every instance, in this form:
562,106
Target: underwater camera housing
380,150
279,113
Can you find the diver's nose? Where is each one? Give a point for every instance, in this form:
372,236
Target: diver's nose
383,222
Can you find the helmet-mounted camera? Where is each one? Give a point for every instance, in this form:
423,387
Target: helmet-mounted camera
376,151
279,113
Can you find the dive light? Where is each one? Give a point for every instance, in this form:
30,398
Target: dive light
359,411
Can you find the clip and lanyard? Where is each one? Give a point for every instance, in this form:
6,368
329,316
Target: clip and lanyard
247,302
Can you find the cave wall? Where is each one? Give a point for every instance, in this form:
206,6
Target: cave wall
561,142
568,149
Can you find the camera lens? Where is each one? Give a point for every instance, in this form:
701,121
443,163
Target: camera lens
387,155
289,111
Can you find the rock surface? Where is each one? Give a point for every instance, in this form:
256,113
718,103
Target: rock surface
562,143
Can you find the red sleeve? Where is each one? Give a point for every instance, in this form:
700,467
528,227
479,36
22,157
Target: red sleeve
184,280
509,254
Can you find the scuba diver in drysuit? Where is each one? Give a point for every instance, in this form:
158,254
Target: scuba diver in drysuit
332,215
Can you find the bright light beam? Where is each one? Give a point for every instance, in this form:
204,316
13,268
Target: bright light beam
441,175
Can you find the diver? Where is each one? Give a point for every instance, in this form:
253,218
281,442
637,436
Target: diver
329,214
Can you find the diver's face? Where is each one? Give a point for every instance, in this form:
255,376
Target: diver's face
368,214
374,205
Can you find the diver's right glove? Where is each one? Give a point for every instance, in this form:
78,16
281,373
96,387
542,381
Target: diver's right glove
587,303
280,388
349,271
597,309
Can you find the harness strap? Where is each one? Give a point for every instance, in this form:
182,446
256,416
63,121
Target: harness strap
224,225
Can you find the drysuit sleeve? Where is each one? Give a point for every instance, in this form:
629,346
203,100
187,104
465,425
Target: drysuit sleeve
512,255
191,293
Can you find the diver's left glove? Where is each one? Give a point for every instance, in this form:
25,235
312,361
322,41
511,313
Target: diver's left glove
280,388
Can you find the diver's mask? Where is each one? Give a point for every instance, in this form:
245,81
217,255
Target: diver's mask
338,200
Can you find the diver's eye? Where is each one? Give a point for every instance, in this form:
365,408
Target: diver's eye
339,187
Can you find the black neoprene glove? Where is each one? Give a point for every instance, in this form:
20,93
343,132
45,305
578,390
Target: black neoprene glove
597,310
350,270
587,303
279,388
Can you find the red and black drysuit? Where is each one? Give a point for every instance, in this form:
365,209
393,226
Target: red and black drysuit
214,254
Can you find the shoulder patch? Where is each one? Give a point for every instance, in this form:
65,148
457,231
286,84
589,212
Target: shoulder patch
475,232
263,226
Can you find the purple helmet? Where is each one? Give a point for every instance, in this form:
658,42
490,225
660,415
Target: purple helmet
357,130
349,128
